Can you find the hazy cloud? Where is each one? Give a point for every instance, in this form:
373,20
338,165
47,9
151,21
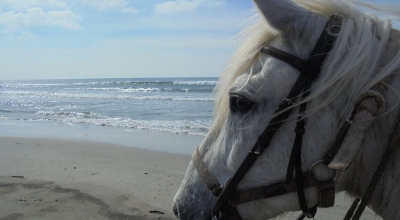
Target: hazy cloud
22,5
64,19
103,5
171,7
13,21
129,10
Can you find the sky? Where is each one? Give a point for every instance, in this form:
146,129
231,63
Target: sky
62,39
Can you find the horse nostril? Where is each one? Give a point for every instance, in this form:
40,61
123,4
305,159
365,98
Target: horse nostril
175,210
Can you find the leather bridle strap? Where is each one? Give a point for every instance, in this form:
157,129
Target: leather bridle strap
294,61
295,157
303,83
261,192
278,189
208,178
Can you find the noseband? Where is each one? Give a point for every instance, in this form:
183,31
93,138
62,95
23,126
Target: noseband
310,70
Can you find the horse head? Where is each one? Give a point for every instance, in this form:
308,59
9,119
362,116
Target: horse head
254,86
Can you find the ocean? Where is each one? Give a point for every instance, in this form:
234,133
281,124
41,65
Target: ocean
163,106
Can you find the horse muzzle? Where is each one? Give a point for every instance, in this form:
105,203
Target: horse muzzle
183,213
193,201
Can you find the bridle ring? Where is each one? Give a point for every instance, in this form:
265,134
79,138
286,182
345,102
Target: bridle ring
318,162
314,164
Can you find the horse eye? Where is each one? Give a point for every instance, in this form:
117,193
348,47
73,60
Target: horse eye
240,103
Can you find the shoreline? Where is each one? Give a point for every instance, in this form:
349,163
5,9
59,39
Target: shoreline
143,139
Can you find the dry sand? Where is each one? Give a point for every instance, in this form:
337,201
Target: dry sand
69,179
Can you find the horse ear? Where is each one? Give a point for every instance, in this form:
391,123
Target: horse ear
282,15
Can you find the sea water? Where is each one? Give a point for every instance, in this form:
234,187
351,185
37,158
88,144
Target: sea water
181,107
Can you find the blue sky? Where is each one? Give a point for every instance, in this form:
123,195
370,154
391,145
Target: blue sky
49,39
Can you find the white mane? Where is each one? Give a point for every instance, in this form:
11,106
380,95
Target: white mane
354,63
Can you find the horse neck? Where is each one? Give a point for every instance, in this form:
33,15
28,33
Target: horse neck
356,179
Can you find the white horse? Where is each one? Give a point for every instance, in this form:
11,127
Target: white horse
365,54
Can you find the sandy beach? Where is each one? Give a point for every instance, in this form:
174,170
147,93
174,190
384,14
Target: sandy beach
68,179
42,178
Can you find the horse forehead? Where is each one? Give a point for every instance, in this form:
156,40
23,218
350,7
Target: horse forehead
268,75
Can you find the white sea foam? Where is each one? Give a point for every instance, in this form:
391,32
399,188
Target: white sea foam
196,127
209,83
160,82
30,85
39,94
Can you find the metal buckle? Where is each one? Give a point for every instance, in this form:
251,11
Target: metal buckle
217,190
289,101
349,120
217,217
255,152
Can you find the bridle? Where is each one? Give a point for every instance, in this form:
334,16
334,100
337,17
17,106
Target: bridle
228,197
309,70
